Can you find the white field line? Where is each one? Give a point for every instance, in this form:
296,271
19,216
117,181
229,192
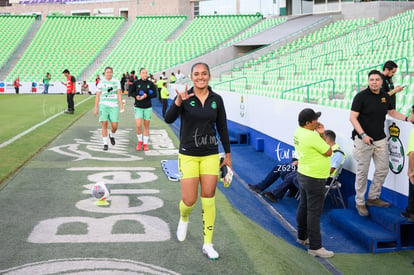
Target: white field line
16,137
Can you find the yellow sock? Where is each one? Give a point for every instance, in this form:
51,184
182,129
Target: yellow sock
185,211
209,217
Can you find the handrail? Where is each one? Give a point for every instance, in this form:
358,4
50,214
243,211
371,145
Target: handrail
231,73
278,68
403,34
381,65
310,84
372,43
326,56
231,80
303,30
243,61
267,61
300,50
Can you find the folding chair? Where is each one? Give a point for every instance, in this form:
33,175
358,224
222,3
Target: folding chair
332,185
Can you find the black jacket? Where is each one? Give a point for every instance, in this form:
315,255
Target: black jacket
143,86
198,135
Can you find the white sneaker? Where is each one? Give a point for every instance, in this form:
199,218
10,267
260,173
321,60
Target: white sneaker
321,252
182,230
210,252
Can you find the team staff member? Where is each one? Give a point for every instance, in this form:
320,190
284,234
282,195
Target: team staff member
164,98
143,90
160,84
388,71
313,169
70,91
107,102
173,78
16,85
368,112
202,112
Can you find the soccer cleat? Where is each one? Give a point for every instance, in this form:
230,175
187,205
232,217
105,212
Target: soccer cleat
321,252
105,147
146,147
112,139
139,146
210,252
182,230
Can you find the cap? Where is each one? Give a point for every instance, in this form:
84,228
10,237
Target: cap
308,115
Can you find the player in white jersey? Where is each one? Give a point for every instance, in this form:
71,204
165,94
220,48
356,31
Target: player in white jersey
107,102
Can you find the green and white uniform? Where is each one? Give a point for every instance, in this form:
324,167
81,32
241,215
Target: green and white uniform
108,101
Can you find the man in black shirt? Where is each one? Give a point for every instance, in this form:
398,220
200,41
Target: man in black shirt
388,71
368,112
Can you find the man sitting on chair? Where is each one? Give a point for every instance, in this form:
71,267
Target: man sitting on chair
291,180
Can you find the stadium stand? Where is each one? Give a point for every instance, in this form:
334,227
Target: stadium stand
259,27
322,57
141,46
12,31
290,63
65,42
326,67
146,42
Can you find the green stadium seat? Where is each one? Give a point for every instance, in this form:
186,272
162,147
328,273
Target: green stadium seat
12,31
160,53
65,42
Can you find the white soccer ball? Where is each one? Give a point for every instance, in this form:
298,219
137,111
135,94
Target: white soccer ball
101,191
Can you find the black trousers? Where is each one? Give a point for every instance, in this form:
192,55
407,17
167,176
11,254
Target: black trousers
308,216
164,106
71,104
410,205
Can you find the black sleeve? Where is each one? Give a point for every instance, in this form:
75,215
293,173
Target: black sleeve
357,103
390,101
172,113
154,91
221,125
385,86
73,79
131,89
